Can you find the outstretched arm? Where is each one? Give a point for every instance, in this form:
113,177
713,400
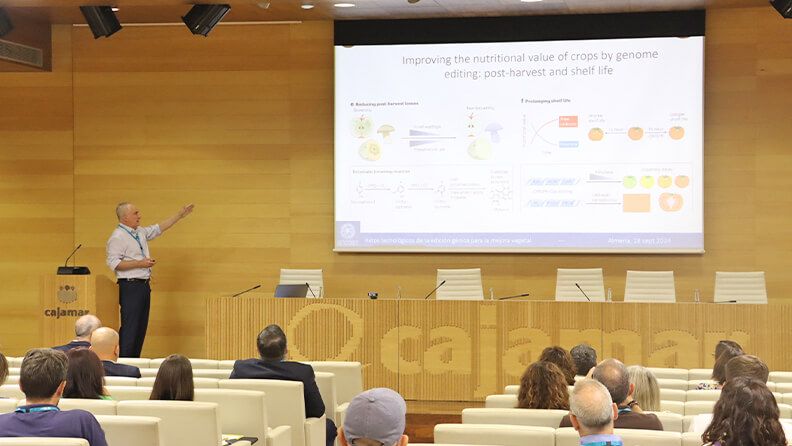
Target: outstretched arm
183,212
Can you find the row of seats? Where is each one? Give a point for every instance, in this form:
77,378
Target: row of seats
38,441
685,395
511,435
677,407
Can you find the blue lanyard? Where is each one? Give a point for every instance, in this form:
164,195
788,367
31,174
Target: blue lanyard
37,409
136,237
624,410
603,443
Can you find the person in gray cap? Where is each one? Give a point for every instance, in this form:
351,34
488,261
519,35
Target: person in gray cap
375,417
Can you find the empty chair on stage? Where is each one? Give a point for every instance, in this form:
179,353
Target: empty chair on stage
460,284
312,277
650,286
740,287
589,281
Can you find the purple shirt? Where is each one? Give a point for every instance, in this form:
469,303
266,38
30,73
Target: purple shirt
49,421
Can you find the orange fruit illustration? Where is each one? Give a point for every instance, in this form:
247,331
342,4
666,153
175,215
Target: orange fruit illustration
635,133
596,134
671,202
676,132
682,181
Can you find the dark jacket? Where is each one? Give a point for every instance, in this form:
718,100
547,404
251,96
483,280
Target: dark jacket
71,345
115,369
287,371
628,420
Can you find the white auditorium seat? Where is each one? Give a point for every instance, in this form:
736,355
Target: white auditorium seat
673,395
699,374
676,384
196,363
512,389
8,405
325,381
181,422
460,284
672,406
691,439
589,279
781,377
226,364
521,417
568,436
784,409
12,379
123,430
41,441
120,381
650,286
151,371
244,412
669,373
285,407
313,277
501,401
11,391
14,361
212,373
96,407
742,287
672,422
141,363
13,371
698,407
348,377
703,395
497,434
198,382
124,393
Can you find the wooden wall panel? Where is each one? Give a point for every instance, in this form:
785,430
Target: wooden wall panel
241,123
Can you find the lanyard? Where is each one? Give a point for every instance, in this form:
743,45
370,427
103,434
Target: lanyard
624,410
603,443
135,236
37,409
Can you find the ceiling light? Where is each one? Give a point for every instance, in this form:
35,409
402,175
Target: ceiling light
307,6
344,5
101,19
115,9
203,17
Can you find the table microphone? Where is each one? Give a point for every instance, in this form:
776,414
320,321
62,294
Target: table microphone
66,263
309,289
581,290
514,297
249,289
432,292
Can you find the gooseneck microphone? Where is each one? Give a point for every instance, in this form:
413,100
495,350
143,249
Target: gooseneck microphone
436,288
309,289
249,289
584,293
514,297
66,263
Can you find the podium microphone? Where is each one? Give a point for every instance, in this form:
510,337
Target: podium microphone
432,292
309,289
584,293
514,297
73,270
249,289
66,262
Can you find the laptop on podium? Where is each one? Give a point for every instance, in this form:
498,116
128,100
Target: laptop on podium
300,290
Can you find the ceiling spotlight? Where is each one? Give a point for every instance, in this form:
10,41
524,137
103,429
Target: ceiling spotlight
101,19
344,5
307,6
202,18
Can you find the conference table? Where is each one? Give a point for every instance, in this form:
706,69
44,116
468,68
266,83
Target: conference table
464,350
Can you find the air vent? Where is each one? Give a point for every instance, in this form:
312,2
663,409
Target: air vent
21,53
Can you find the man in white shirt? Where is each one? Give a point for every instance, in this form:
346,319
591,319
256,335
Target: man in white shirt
129,257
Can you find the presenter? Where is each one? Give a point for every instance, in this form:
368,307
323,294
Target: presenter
129,257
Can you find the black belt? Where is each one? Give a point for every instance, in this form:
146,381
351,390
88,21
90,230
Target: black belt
132,280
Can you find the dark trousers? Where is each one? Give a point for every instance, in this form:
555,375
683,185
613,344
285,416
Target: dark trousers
135,300
332,431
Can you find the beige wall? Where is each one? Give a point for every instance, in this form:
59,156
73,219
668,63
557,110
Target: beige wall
241,123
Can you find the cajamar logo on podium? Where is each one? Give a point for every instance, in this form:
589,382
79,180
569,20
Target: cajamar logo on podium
66,294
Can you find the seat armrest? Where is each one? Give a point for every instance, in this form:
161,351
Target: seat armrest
316,431
340,414
278,436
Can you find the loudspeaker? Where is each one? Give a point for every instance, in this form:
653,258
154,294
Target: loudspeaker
202,18
101,19
784,7
5,23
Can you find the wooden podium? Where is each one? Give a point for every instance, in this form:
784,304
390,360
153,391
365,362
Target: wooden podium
66,298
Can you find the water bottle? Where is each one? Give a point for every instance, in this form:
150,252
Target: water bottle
609,297
696,296
492,294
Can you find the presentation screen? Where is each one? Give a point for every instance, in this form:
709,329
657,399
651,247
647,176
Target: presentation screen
547,146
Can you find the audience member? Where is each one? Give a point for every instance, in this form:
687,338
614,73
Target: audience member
613,375
647,390
723,344
375,417
104,342
719,369
3,369
584,357
560,357
83,327
747,365
272,364
174,380
85,377
745,414
42,379
592,413
543,386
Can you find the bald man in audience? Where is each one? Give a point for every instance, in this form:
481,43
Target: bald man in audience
593,413
613,375
83,328
104,342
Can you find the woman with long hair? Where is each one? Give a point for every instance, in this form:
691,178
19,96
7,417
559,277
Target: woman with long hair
647,390
174,380
745,415
719,369
563,359
543,386
84,376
